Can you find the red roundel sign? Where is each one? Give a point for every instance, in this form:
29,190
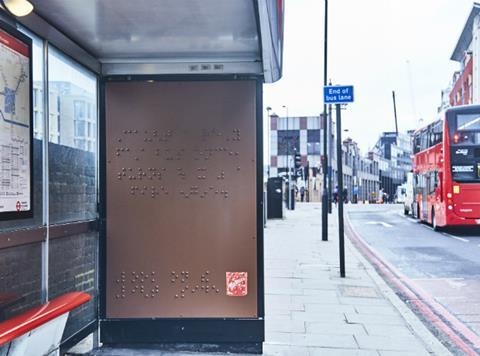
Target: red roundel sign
237,283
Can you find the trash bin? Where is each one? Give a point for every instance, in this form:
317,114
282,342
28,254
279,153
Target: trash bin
274,198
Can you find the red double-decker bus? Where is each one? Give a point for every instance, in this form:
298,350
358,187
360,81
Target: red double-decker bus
446,169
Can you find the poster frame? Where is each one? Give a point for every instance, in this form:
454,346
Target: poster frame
23,214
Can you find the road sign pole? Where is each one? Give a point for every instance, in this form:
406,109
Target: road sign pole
341,235
325,174
339,95
330,155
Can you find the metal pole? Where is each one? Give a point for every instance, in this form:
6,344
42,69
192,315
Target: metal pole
325,165
289,206
395,114
341,236
45,178
330,156
269,132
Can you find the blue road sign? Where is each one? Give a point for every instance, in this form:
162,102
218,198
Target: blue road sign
338,94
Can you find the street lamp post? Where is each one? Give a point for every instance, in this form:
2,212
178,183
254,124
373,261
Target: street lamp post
289,198
325,126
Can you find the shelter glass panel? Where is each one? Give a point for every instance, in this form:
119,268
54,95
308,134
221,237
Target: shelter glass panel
72,146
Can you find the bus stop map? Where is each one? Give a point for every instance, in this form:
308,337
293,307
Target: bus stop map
15,135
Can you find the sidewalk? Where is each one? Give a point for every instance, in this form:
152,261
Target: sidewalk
310,310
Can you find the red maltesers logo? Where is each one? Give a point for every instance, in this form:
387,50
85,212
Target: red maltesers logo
237,283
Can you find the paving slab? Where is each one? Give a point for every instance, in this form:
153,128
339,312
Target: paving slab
341,352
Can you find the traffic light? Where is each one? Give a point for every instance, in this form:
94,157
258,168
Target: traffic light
299,172
298,160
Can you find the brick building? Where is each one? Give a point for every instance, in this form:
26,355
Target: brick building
465,82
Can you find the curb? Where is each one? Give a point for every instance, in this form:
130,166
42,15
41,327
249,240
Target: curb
456,334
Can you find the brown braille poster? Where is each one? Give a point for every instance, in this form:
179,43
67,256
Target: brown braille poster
181,199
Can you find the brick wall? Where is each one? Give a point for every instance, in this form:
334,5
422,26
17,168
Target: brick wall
73,267
72,184
20,270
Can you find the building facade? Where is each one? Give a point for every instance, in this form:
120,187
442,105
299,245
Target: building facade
393,152
304,136
293,135
465,82
72,113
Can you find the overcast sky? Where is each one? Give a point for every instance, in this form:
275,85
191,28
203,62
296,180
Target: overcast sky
376,45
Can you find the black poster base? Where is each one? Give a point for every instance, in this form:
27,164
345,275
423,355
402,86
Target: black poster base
201,335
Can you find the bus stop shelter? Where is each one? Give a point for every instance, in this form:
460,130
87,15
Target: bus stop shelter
145,166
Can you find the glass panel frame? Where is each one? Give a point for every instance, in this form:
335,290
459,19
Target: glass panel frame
73,149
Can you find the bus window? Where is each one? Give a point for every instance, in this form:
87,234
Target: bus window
438,132
465,141
433,182
416,144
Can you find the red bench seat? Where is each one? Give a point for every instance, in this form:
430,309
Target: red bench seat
28,322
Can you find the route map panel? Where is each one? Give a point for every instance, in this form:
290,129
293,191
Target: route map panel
15,122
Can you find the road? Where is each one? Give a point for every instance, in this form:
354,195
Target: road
444,264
